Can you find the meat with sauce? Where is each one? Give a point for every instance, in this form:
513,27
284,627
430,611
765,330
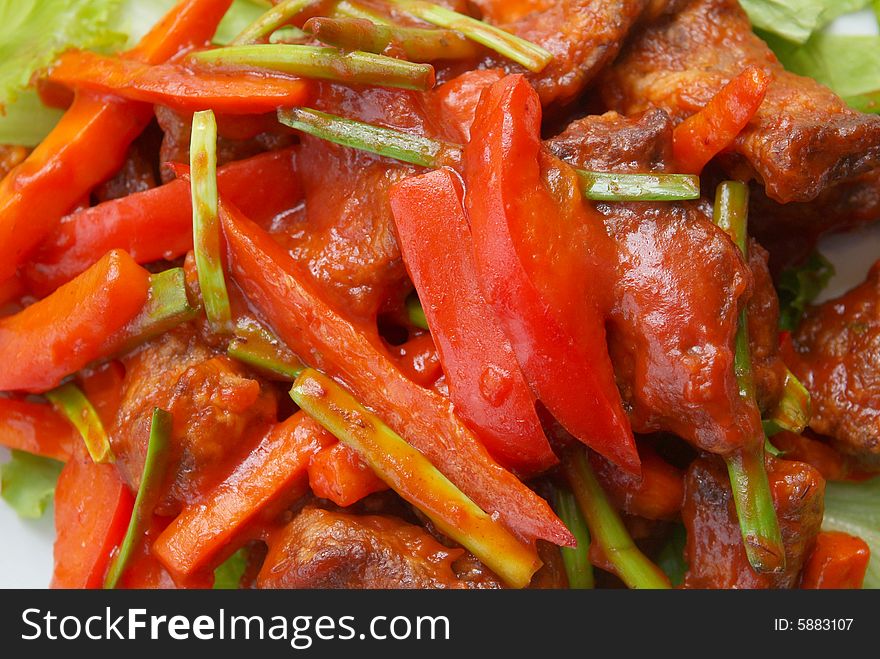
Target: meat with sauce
715,552
324,549
680,283
217,408
803,138
837,358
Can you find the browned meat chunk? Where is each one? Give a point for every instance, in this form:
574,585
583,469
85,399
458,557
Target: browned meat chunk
802,139
715,551
837,357
680,284
216,407
323,549
768,369
583,35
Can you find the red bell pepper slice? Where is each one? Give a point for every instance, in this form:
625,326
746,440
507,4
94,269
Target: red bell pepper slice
74,326
541,259
337,473
36,428
704,135
177,87
92,510
273,474
90,142
485,383
354,354
838,560
157,224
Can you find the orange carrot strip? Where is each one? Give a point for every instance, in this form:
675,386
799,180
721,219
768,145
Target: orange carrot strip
702,136
36,428
838,560
338,474
64,332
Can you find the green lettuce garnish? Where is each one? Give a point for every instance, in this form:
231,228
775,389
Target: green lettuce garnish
854,508
228,575
797,20
800,286
27,483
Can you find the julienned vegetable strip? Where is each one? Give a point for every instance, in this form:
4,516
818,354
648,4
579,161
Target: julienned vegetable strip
155,466
322,63
576,559
702,136
606,527
792,412
413,477
639,187
530,55
206,226
289,35
90,142
72,403
175,86
346,9
274,18
36,428
748,476
413,149
417,44
426,152
257,347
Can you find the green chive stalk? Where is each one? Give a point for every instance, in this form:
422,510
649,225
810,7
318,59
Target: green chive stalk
273,19
206,225
792,412
748,475
416,44
70,401
576,559
423,151
257,347
289,35
346,9
322,63
530,55
415,313
155,467
414,478
606,527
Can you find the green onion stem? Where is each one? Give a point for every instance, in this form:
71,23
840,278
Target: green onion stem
257,347
576,559
606,527
347,9
415,312
423,151
274,18
748,475
322,63
206,225
416,44
70,401
155,466
289,35
530,55
792,412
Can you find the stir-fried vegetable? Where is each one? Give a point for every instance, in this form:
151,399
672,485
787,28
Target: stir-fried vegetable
70,401
414,478
283,12
149,491
27,483
748,477
257,347
321,63
792,412
36,428
800,286
606,527
533,57
576,559
206,226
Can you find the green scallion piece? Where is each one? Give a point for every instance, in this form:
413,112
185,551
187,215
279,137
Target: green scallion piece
206,225
155,467
576,559
274,18
257,347
70,401
601,186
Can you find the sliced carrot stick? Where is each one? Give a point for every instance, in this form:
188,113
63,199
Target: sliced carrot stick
64,332
36,428
177,87
338,474
275,470
702,136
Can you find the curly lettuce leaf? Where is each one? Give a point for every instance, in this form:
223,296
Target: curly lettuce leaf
797,20
854,508
800,286
27,483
